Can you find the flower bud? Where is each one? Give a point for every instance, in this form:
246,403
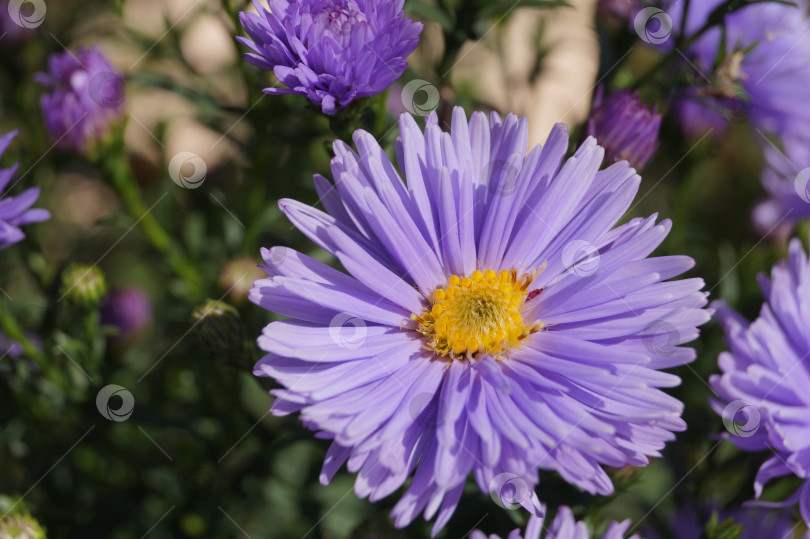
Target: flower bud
219,330
84,285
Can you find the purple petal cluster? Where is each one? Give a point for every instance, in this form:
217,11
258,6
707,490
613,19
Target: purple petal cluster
766,376
624,126
577,321
331,51
84,98
786,178
15,211
564,526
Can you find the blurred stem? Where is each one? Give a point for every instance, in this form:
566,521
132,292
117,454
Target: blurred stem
12,331
114,161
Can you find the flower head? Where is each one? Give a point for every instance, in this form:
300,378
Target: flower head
564,526
15,211
85,97
624,126
766,373
331,51
127,309
493,321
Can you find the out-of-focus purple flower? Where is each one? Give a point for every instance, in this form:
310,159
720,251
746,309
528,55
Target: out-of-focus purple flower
762,392
16,211
494,321
624,126
766,68
128,309
786,177
84,98
756,522
331,51
11,351
564,526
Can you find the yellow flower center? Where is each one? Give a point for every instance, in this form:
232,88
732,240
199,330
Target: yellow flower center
481,313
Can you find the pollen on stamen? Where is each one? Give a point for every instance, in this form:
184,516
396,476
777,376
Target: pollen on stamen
479,313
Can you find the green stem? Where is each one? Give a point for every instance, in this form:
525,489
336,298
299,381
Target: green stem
116,164
12,331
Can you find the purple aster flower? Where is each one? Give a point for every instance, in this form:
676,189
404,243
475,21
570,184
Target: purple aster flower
564,526
493,320
766,70
85,98
15,211
128,309
624,126
331,51
766,373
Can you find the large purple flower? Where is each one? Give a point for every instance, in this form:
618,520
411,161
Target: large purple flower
564,526
85,98
331,51
765,72
15,211
766,376
625,126
493,322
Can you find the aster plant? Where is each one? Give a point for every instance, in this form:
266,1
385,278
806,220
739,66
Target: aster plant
84,98
564,526
333,52
494,320
765,376
15,211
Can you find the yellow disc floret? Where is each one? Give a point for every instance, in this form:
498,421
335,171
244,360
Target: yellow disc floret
481,313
